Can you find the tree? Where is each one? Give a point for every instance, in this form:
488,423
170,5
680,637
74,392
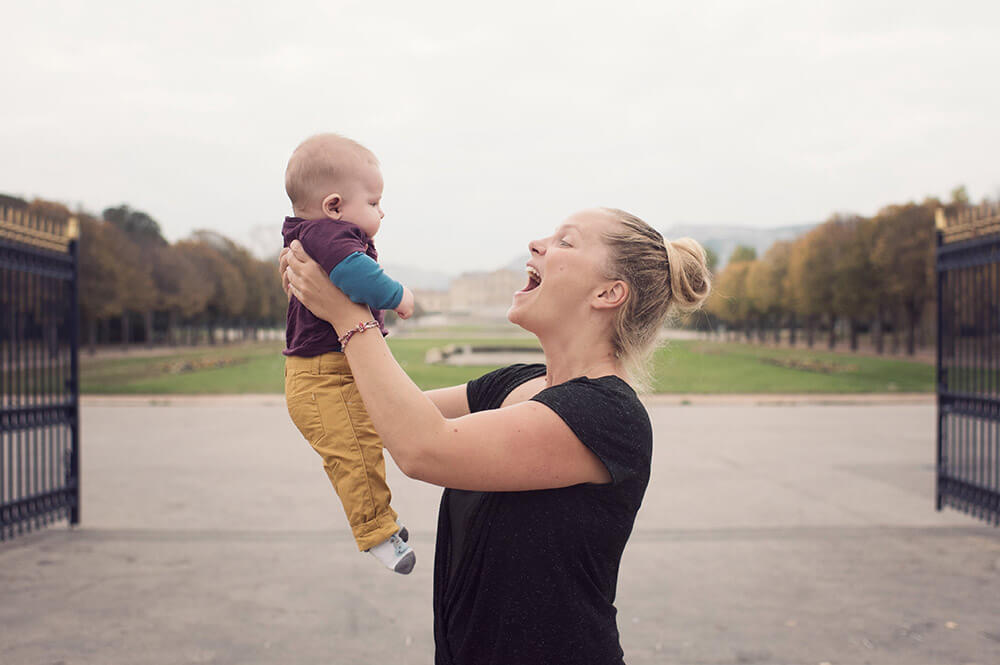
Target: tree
226,291
180,287
711,259
139,226
135,289
766,285
728,301
743,253
810,277
256,282
757,295
959,196
903,253
144,233
855,289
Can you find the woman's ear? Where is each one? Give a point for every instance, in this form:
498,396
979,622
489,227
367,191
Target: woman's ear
612,295
332,205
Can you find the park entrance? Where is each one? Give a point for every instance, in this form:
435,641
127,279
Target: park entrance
39,386
968,361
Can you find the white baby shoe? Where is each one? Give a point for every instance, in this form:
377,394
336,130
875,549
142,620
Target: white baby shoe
395,554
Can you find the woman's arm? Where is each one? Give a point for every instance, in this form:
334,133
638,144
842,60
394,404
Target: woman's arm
452,402
521,447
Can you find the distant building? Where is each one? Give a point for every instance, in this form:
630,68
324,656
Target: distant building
479,291
431,301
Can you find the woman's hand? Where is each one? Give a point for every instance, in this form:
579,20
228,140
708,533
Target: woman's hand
282,265
303,278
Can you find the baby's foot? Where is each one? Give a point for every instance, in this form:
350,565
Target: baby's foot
395,554
403,533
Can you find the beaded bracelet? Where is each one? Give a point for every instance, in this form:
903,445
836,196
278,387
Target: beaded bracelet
361,327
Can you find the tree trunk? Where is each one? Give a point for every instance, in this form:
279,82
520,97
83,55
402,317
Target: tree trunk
777,329
791,329
877,332
172,327
911,337
149,328
854,334
832,339
125,331
92,336
811,330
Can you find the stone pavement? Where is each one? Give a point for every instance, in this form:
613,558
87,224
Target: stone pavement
798,534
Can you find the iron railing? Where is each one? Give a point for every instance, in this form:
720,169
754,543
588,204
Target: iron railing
39,385
968,361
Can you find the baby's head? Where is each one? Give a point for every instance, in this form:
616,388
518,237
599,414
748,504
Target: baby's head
332,177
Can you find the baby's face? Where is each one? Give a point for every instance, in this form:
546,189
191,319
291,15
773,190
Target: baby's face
362,203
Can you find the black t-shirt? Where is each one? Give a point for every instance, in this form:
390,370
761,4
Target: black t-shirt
529,578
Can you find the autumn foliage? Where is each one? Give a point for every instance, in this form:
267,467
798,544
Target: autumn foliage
137,287
850,273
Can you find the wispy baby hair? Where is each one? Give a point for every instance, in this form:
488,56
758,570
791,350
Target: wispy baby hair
319,163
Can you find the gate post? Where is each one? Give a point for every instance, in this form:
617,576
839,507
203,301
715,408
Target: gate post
939,379
74,380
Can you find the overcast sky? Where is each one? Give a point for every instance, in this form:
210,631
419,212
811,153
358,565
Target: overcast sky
493,121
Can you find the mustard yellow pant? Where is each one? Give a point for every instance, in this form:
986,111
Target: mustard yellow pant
325,405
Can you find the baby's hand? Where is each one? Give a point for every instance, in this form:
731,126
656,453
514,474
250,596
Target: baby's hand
405,309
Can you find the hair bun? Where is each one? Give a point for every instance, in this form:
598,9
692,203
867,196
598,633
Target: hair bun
690,282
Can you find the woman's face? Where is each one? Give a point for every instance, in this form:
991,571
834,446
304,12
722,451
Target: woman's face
565,273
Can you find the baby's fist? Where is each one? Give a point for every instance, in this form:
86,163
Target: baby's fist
405,308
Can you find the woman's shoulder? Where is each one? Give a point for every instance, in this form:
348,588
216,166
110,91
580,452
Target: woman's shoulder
603,399
607,416
489,390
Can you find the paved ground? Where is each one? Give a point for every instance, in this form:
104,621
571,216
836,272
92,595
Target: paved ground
770,534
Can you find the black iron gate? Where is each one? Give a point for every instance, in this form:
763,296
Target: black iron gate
39,387
968,362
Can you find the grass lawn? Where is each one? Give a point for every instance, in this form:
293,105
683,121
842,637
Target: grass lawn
251,368
681,367
720,367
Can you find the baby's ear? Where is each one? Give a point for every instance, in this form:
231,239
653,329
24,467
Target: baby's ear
332,204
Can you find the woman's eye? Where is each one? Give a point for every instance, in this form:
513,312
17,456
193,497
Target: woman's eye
564,243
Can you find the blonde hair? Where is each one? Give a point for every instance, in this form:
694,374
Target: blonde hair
320,162
664,278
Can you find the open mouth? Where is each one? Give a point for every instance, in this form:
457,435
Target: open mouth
534,280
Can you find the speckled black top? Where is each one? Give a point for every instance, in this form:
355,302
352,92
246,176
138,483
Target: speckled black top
529,578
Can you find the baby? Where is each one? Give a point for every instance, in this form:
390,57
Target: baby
335,186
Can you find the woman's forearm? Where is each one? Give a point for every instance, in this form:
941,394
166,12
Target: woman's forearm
407,420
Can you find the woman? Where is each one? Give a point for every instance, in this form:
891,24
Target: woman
544,466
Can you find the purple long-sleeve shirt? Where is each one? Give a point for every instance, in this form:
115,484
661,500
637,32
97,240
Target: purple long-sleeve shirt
329,242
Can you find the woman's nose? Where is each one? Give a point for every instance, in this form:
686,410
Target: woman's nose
536,247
